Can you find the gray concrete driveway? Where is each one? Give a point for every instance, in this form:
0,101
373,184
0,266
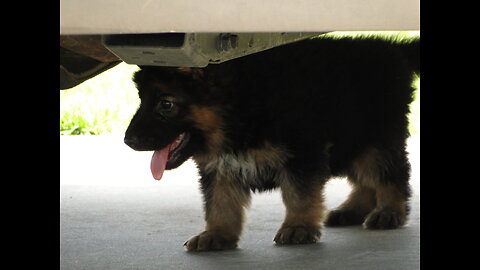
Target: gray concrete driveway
113,215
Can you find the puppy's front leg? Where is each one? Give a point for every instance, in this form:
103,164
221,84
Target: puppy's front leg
225,200
304,212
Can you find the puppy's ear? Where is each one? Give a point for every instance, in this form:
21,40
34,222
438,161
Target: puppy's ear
138,77
195,73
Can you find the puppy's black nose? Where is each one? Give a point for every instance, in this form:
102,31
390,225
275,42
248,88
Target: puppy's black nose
131,141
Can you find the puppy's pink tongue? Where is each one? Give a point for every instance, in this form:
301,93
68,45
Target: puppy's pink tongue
159,161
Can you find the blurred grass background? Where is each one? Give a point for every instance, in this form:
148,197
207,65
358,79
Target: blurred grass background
102,105
106,103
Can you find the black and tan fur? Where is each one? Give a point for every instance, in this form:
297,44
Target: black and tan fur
291,118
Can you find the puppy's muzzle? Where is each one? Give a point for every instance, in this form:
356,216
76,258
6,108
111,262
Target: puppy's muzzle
131,141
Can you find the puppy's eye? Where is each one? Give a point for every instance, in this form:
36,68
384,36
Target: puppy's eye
165,109
165,105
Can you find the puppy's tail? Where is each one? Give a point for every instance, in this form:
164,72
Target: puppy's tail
411,50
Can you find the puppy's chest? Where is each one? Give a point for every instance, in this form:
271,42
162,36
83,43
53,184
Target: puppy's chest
254,167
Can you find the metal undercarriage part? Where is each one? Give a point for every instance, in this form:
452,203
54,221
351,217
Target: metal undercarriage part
85,56
193,49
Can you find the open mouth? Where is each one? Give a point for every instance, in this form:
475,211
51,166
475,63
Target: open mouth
168,156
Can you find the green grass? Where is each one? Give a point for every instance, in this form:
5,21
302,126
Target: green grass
106,103
397,34
102,105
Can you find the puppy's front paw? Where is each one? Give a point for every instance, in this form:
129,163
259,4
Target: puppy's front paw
210,240
384,219
297,235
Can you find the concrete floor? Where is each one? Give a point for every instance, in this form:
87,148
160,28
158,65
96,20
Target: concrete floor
113,215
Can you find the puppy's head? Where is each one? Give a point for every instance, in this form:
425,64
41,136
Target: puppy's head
171,118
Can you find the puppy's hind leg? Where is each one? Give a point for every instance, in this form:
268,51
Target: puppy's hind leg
380,193
353,211
392,194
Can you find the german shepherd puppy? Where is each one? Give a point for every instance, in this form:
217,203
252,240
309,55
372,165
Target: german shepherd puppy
291,118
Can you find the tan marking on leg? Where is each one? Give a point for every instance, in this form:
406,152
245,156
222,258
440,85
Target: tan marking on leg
303,209
224,217
365,170
390,212
361,198
390,204
304,212
353,211
389,197
368,171
226,212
